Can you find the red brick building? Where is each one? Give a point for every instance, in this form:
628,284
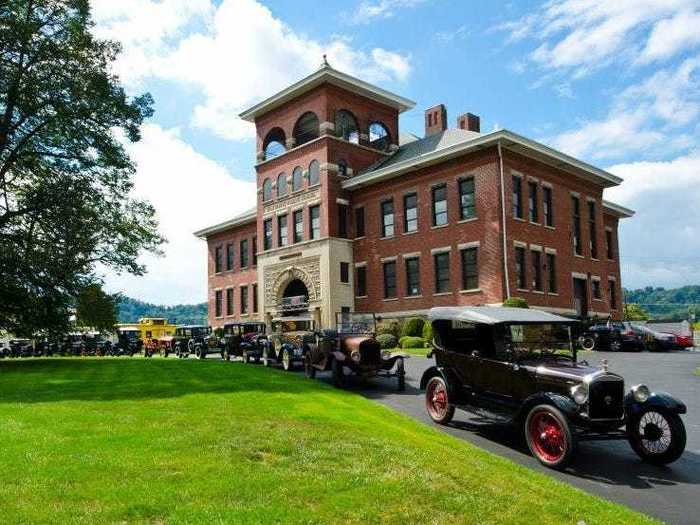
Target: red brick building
352,214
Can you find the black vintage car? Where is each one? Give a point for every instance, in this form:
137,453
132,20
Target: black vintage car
613,336
21,348
291,336
352,347
521,365
244,340
128,342
191,339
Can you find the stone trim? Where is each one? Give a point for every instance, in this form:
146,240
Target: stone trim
443,249
467,245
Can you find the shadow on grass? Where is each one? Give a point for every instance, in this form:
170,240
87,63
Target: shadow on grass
104,379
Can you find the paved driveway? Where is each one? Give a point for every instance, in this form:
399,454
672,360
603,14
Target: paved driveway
609,469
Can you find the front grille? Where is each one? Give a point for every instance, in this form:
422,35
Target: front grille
370,353
605,397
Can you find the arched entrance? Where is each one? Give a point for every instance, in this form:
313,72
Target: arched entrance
295,298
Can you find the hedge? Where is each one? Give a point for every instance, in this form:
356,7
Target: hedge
413,327
387,341
516,302
412,342
392,327
428,332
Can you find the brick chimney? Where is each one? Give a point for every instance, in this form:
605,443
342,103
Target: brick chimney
470,122
435,120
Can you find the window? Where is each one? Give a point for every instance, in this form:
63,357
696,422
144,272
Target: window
267,232
532,202
282,237
255,250
244,300
218,299
346,126
229,301
255,298
517,197
218,258
244,253
609,244
306,128
576,211
361,281
389,279
315,216
229,257
359,222
413,276
470,269
344,272
342,168
536,270
440,205
442,272
298,217
552,272
379,136
267,190
596,289
314,173
612,288
592,229
274,144
342,221
547,204
387,218
281,184
467,209
410,213
520,274
297,179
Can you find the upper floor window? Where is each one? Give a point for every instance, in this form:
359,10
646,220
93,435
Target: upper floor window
379,136
255,250
592,229
359,222
314,173
576,223
346,126
244,253
440,205
361,281
342,221
532,202
281,184
297,179
315,215
267,234
517,197
413,276
470,269
282,236
410,213
267,190
218,258
306,128
229,257
467,208
274,143
609,248
548,206
298,225
389,270
342,168
387,218
441,262
520,272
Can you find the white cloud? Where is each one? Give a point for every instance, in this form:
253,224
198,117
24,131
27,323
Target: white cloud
671,35
371,10
239,54
189,191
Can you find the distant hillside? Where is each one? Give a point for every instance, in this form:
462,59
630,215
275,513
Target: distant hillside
131,310
675,303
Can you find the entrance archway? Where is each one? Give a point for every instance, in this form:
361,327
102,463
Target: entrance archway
295,297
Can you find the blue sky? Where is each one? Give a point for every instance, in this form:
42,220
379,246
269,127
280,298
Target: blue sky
613,83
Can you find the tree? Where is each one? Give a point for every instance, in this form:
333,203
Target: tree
65,177
96,309
634,312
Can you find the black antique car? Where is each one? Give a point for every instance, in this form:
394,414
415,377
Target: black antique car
613,336
128,342
21,348
352,346
191,339
97,344
244,340
521,365
290,336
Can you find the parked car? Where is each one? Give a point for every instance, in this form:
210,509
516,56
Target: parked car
290,336
73,344
128,342
21,348
613,336
245,340
4,350
520,365
684,341
657,341
352,346
191,339
96,344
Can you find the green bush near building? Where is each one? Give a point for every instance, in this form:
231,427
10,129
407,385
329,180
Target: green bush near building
516,302
387,341
428,332
408,341
413,327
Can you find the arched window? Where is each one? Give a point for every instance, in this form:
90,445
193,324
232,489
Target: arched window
314,173
306,128
346,126
281,184
297,179
274,143
342,168
267,190
379,136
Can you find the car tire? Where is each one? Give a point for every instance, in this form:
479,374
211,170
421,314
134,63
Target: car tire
246,357
199,353
309,369
266,361
668,430
587,343
437,401
549,437
401,374
615,346
337,374
287,360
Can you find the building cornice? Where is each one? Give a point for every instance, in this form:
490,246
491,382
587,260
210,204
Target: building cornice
240,220
617,210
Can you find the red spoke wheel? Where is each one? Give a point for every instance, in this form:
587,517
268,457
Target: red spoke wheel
437,401
548,436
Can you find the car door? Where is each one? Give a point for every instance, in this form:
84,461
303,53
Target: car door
493,374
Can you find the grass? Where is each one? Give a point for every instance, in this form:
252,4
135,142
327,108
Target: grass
697,371
168,441
420,352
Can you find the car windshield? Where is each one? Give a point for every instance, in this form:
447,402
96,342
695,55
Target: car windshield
199,331
540,341
355,323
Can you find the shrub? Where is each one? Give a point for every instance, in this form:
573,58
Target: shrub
516,302
413,327
392,327
412,342
428,332
387,341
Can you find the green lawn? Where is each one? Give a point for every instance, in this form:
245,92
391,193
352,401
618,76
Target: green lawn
169,441
420,352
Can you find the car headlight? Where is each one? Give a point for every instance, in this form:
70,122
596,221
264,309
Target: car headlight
641,393
580,394
386,354
355,356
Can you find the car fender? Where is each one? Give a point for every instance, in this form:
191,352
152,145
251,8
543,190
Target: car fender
567,405
447,376
657,400
338,356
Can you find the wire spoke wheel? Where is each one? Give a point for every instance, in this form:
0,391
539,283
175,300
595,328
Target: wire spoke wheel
437,401
657,436
548,436
655,432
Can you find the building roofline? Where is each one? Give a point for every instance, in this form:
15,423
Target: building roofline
506,138
239,220
618,210
335,77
